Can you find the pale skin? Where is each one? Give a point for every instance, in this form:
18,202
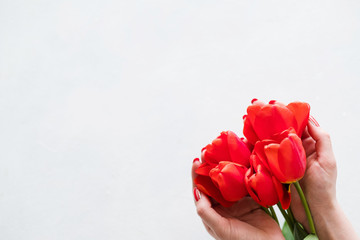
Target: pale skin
246,219
319,186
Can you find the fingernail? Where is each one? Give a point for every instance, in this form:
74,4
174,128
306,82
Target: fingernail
196,159
254,100
272,101
313,121
197,194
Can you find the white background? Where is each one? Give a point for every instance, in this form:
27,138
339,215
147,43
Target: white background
104,104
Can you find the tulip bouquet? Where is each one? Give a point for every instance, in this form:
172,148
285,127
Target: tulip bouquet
263,165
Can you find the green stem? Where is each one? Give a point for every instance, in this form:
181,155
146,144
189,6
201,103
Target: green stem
274,214
267,211
286,216
306,207
291,215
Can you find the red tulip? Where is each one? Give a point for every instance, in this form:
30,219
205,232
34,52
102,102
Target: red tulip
226,147
224,163
229,178
206,185
264,188
263,121
284,156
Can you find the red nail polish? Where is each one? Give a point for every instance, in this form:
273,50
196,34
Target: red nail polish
272,101
313,120
254,100
197,194
196,159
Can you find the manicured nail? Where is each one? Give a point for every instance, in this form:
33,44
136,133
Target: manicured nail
196,159
313,121
197,194
272,101
254,100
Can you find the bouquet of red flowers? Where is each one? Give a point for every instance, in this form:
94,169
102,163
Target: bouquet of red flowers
263,164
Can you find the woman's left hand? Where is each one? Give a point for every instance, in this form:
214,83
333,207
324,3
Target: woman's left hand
244,220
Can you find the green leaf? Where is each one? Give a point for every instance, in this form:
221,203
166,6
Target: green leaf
299,232
311,237
286,231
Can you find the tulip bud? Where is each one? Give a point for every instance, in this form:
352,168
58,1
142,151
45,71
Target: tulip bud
286,157
229,178
264,188
263,121
224,163
226,147
259,184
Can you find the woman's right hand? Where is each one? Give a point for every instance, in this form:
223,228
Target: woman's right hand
319,186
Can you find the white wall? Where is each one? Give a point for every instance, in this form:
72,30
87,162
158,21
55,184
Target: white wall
104,104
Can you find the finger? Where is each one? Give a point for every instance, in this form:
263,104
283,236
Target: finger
307,141
208,214
239,209
309,146
198,195
322,138
305,133
209,230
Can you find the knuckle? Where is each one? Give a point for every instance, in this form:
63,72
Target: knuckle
326,136
200,210
332,163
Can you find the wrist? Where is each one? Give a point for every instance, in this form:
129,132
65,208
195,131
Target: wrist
332,223
325,209
324,212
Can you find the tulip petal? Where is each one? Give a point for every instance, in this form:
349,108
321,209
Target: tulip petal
283,191
260,153
260,186
218,150
204,169
292,159
249,175
272,155
238,150
253,110
249,131
226,147
301,113
229,178
273,119
248,144
280,136
205,185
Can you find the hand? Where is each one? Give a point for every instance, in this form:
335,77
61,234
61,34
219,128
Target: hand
244,220
319,182
319,187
